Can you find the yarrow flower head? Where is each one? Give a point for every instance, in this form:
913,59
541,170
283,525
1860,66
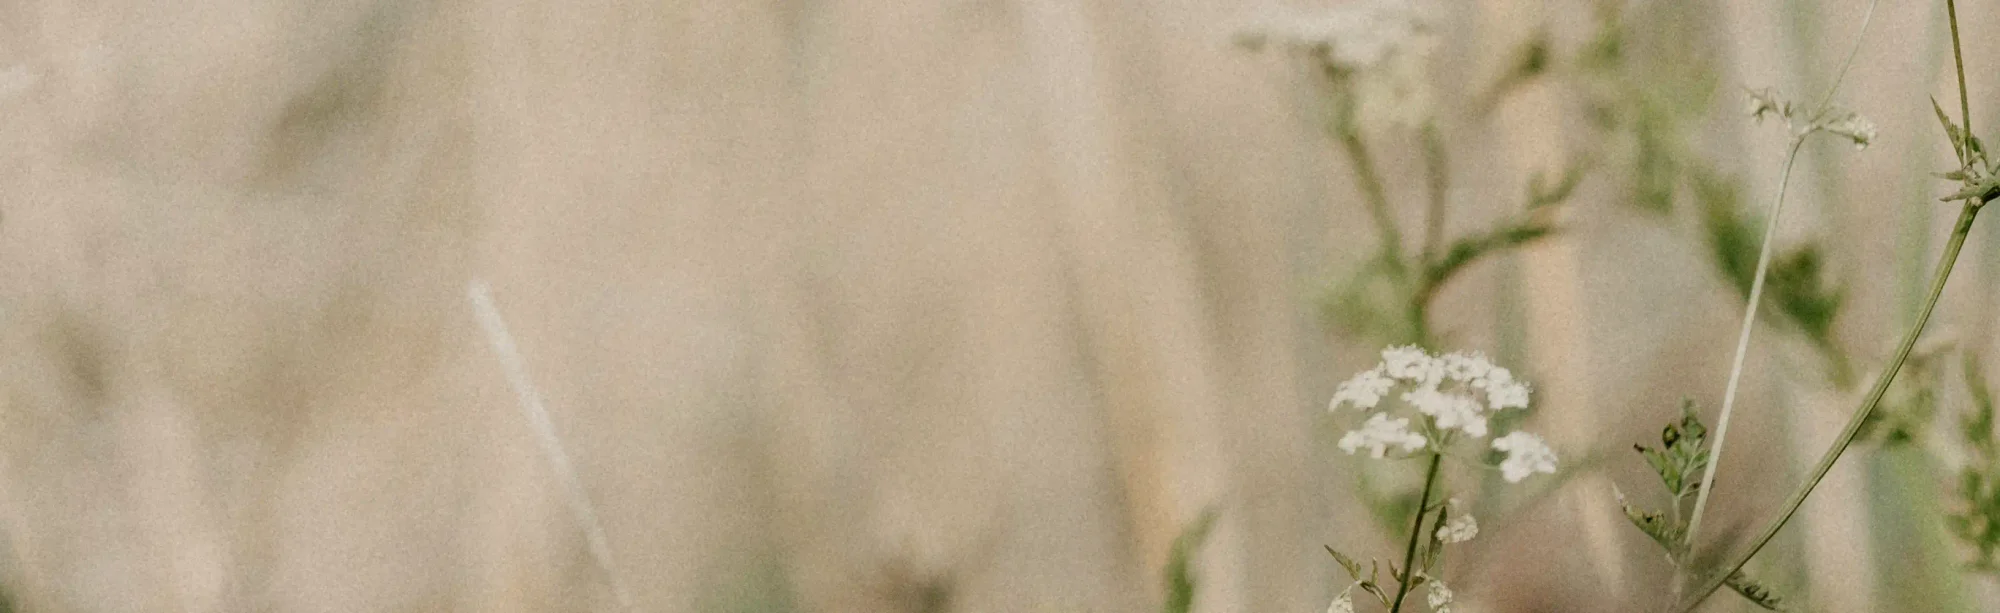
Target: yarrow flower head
1365,390
1526,455
1448,397
1439,596
1458,529
1379,434
1376,50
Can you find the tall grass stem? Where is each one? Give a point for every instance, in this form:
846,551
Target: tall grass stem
537,414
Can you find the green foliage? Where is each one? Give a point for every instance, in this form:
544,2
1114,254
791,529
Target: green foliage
1682,454
1679,461
1976,518
1180,577
1372,303
1371,582
1911,402
1797,289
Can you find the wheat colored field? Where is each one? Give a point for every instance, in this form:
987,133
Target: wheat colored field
929,305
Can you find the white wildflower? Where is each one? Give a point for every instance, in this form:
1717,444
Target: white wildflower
1526,455
1343,603
1439,596
1452,411
1458,529
1411,363
1378,51
1467,368
1380,433
1855,128
1363,391
1506,395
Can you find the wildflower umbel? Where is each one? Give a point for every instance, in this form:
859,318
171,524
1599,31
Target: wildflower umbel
1453,397
1343,603
1458,529
1526,455
1377,51
1839,122
1379,434
1440,596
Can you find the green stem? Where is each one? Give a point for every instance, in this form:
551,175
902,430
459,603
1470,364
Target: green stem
1372,191
1881,386
1416,533
1439,180
1754,304
1958,57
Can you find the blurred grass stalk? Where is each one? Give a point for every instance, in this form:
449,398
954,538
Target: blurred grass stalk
537,415
1556,338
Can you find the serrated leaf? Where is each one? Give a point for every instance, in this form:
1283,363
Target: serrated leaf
1657,526
1754,592
1950,129
1353,569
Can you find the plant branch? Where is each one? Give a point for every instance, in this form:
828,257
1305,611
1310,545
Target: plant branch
1874,397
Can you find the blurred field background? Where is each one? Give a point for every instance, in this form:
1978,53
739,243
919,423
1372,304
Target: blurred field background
927,306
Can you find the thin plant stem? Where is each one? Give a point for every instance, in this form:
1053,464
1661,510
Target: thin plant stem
1874,397
1416,533
1743,341
1439,180
1958,58
537,415
1372,191
1868,17
1757,286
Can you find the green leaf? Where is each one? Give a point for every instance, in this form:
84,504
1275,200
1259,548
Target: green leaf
1180,577
1754,592
1657,526
1353,569
1951,130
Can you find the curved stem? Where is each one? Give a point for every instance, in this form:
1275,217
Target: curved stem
1743,342
1416,534
1881,386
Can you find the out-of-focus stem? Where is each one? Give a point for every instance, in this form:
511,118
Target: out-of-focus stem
1438,179
1881,386
1372,190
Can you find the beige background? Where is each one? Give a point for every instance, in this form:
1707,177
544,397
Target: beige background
958,305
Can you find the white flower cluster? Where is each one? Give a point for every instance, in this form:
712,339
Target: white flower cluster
1378,49
1455,392
1343,603
1855,128
1845,124
1439,597
1458,529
